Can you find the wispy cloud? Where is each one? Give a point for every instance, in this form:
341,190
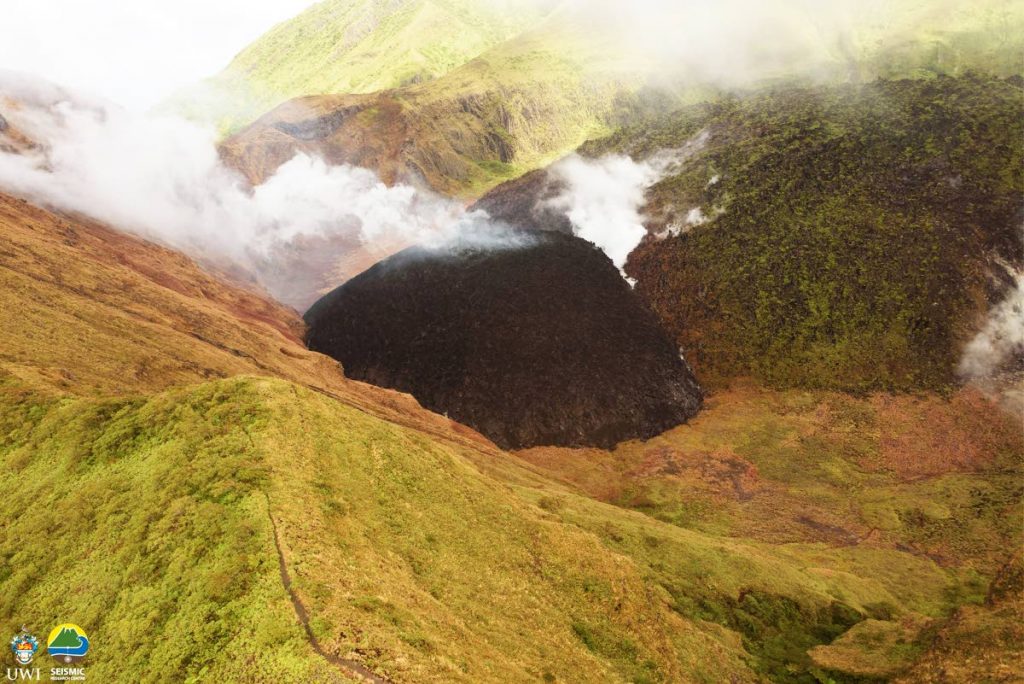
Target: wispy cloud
162,178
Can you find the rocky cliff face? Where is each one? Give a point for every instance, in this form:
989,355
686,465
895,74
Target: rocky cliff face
540,343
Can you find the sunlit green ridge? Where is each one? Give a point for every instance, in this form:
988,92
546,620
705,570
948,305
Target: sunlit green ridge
363,46
355,46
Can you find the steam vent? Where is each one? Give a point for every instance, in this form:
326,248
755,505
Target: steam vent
540,344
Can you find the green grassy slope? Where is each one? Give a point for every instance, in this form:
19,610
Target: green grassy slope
341,46
915,472
151,522
354,46
841,483
980,643
851,231
518,106
140,521
923,38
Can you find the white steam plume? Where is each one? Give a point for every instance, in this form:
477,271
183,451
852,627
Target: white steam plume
604,198
1000,340
162,178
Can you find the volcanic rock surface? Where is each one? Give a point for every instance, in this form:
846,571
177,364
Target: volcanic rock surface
540,343
525,203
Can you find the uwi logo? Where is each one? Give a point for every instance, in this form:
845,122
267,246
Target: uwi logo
67,642
24,646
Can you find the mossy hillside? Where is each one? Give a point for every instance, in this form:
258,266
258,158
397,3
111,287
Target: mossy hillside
924,38
487,592
88,311
144,317
125,328
358,47
407,545
870,272
518,107
807,466
151,522
843,484
979,643
780,599
876,649
364,46
142,521
392,536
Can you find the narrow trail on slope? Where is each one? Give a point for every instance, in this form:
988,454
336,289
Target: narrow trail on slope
447,437
351,668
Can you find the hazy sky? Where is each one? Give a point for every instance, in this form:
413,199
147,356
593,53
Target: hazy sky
135,52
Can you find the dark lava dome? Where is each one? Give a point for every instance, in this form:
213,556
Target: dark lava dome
540,344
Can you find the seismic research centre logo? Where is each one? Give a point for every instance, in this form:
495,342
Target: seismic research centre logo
68,643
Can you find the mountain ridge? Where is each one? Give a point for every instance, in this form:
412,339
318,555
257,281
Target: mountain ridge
525,101
353,47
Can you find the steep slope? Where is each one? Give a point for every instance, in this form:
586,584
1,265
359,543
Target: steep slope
13,141
731,471
851,238
935,478
158,479
979,643
517,107
923,38
917,473
87,310
404,558
354,46
573,76
146,317
410,557
538,342
212,501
